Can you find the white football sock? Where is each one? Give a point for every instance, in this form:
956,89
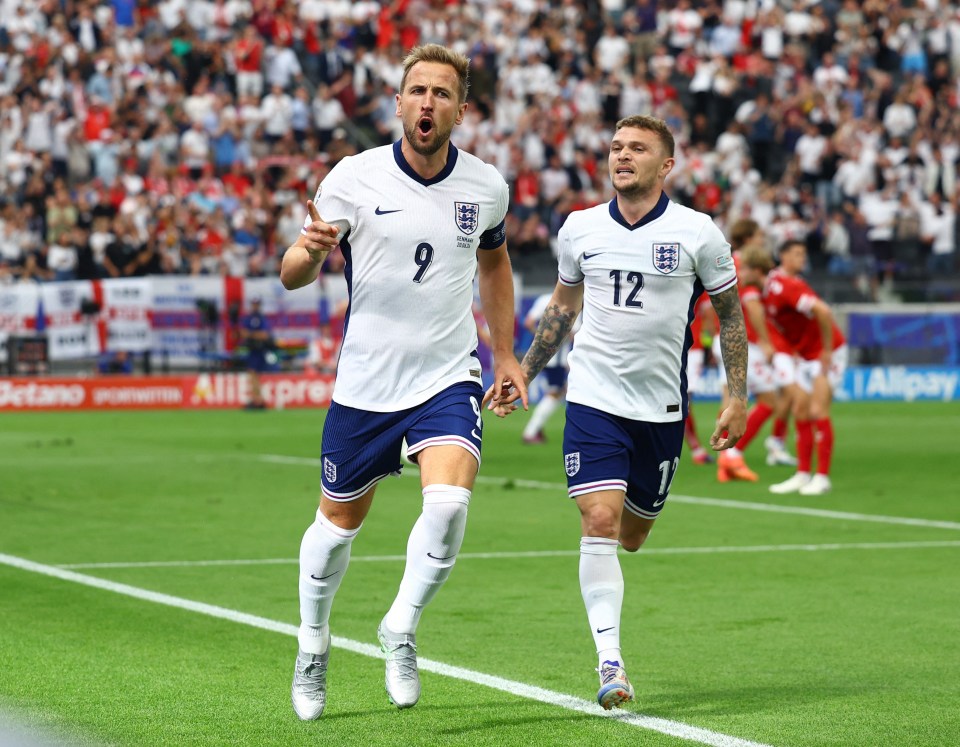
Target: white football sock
324,556
431,552
541,414
601,584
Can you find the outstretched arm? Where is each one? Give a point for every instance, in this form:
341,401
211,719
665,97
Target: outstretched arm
496,298
554,327
733,345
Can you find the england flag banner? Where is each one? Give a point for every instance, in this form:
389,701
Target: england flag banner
186,314
18,312
70,315
125,311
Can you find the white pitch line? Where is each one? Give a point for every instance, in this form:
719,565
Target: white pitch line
519,689
723,549
689,499
818,512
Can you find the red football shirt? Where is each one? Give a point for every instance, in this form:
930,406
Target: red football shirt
789,303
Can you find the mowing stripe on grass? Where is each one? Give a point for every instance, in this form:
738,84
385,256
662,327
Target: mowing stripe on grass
731,549
519,689
690,499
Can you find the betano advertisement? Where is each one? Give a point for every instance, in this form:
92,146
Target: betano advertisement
214,390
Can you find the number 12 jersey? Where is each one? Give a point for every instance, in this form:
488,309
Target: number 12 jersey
641,282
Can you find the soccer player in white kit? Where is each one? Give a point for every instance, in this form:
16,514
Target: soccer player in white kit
415,221
635,266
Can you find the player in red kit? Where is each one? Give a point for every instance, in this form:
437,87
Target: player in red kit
766,372
808,325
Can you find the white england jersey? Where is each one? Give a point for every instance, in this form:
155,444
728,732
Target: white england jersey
410,246
640,286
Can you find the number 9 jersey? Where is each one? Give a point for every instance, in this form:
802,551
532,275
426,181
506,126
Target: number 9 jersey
410,246
641,282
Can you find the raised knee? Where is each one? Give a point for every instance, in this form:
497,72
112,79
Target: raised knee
601,521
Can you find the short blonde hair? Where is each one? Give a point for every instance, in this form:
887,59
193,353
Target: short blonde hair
757,258
742,231
643,122
443,55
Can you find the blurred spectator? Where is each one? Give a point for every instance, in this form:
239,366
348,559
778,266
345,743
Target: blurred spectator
938,228
257,339
836,243
862,259
164,113
880,209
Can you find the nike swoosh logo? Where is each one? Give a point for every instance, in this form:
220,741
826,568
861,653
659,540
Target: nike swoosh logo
659,503
591,256
473,432
606,629
323,578
378,211
431,555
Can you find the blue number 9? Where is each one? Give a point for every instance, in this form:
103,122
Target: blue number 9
423,256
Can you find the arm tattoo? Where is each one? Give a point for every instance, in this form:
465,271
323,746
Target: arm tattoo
554,328
733,340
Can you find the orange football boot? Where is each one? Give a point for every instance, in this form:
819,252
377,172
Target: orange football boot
730,467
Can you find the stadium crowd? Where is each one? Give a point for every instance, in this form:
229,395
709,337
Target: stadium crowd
184,136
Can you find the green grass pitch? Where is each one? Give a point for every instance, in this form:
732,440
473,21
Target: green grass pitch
732,631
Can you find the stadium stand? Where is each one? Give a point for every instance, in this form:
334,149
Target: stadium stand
183,137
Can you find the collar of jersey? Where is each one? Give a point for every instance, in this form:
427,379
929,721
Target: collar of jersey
657,211
407,169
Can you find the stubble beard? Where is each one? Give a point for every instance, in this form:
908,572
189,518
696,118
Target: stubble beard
635,189
430,147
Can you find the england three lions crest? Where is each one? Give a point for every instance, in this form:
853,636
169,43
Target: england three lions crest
666,257
329,470
468,216
571,463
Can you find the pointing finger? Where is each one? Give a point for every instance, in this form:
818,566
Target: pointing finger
330,230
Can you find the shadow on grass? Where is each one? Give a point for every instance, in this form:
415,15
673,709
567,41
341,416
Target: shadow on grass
683,705
476,713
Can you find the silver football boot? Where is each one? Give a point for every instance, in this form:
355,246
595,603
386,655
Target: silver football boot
402,679
309,690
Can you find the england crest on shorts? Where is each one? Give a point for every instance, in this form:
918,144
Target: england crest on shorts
666,257
329,470
468,216
571,463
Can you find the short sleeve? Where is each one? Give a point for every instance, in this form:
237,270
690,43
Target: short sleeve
714,262
496,234
568,262
334,199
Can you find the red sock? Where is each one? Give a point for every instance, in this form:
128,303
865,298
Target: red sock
824,428
755,419
779,429
690,432
804,445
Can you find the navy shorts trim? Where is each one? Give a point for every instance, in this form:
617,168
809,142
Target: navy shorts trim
556,376
359,447
609,452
